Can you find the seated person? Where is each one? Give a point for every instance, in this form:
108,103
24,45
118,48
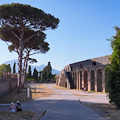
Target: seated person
18,106
12,107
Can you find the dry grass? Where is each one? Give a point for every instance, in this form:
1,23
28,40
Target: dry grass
41,91
109,110
16,115
14,96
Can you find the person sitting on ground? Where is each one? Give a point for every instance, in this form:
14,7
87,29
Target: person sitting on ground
18,106
84,89
12,107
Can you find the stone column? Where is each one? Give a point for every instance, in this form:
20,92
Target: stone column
103,81
79,78
96,81
76,79
82,79
89,86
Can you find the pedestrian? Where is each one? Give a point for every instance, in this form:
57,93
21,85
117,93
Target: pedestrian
18,106
35,89
12,107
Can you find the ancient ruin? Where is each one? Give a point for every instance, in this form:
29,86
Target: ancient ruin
88,74
8,82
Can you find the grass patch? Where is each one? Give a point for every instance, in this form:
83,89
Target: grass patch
41,91
24,115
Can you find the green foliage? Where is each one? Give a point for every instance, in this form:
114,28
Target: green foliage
15,13
40,75
14,70
4,68
47,73
113,72
23,26
36,43
30,79
44,74
32,60
35,74
29,76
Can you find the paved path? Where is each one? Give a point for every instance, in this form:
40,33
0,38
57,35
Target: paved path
64,105
69,108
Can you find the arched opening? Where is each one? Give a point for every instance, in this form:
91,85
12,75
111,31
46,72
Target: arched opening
99,80
80,80
86,80
92,73
75,80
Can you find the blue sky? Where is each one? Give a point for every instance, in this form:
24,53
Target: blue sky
82,32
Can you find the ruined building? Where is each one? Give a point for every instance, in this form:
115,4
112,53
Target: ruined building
88,74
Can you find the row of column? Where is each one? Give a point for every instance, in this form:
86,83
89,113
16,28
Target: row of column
90,80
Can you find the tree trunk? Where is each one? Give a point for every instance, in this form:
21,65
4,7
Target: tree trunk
25,70
20,61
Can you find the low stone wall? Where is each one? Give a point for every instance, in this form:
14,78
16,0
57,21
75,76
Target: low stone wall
6,85
62,79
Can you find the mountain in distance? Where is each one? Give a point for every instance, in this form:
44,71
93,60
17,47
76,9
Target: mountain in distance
38,68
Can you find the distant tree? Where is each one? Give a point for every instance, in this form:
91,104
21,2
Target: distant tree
35,74
40,75
29,75
24,18
113,71
47,72
14,67
44,74
8,68
4,68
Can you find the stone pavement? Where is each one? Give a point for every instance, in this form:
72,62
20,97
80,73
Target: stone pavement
69,108
64,105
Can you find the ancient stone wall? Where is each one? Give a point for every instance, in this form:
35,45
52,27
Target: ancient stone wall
7,83
63,80
88,74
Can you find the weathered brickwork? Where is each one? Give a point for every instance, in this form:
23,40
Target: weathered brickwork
88,74
7,83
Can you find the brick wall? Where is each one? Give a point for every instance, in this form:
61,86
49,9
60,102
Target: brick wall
6,85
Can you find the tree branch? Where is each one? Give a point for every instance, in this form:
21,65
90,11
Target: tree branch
15,35
35,53
31,36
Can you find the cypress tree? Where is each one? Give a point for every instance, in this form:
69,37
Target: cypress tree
35,74
14,67
29,72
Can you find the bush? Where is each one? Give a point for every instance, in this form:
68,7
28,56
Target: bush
30,79
113,84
